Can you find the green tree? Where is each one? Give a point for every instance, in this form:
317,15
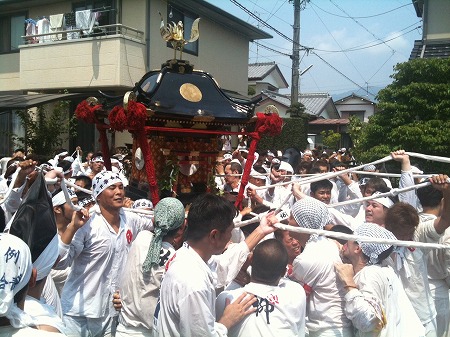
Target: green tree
45,131
297,110
356,131
414,112
331,139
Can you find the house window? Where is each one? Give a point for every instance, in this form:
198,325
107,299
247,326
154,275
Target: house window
358,114
9,125
103,7
12,28
187,19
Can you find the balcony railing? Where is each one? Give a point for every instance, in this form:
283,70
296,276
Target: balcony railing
76,34
111,56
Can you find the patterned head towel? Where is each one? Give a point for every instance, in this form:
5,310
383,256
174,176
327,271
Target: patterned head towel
103,180
168,215
98,159
373,250
311,213
369,168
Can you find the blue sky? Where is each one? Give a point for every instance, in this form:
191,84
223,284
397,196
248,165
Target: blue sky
383,30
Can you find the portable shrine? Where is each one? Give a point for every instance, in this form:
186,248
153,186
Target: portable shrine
177,116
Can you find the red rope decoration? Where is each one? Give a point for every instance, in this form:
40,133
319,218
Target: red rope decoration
86,112
149,167
270,124
136,115
132,119
117,118
105,148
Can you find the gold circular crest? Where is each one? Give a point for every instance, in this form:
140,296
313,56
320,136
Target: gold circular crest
191,92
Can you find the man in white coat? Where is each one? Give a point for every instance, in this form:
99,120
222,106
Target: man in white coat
375,300
281,303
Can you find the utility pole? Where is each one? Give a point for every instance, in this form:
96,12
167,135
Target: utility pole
295,85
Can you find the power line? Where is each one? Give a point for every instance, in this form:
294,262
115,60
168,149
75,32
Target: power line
376,37
339,45
392,54
341,73
272,13
360,17
264,23
363,46
271,49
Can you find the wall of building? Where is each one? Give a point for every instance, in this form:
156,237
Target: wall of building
133,13
107,62
10,63
355,105
39,10
222,53
10,72
438,23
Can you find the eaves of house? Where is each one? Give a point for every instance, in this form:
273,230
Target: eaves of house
315,103
259,71
352,96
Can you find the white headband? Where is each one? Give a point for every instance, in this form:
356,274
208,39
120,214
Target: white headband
142,203
286,167
59,198
385,201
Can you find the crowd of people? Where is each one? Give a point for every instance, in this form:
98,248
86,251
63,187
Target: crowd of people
89,261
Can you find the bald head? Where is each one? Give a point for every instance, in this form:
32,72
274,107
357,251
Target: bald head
269,261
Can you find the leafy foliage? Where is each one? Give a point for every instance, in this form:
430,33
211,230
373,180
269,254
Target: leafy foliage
414,113
169,176
45,131
331,139
356,132
297,110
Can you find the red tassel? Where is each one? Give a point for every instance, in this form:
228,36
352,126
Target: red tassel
118,119
269,123
86,112
136,115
